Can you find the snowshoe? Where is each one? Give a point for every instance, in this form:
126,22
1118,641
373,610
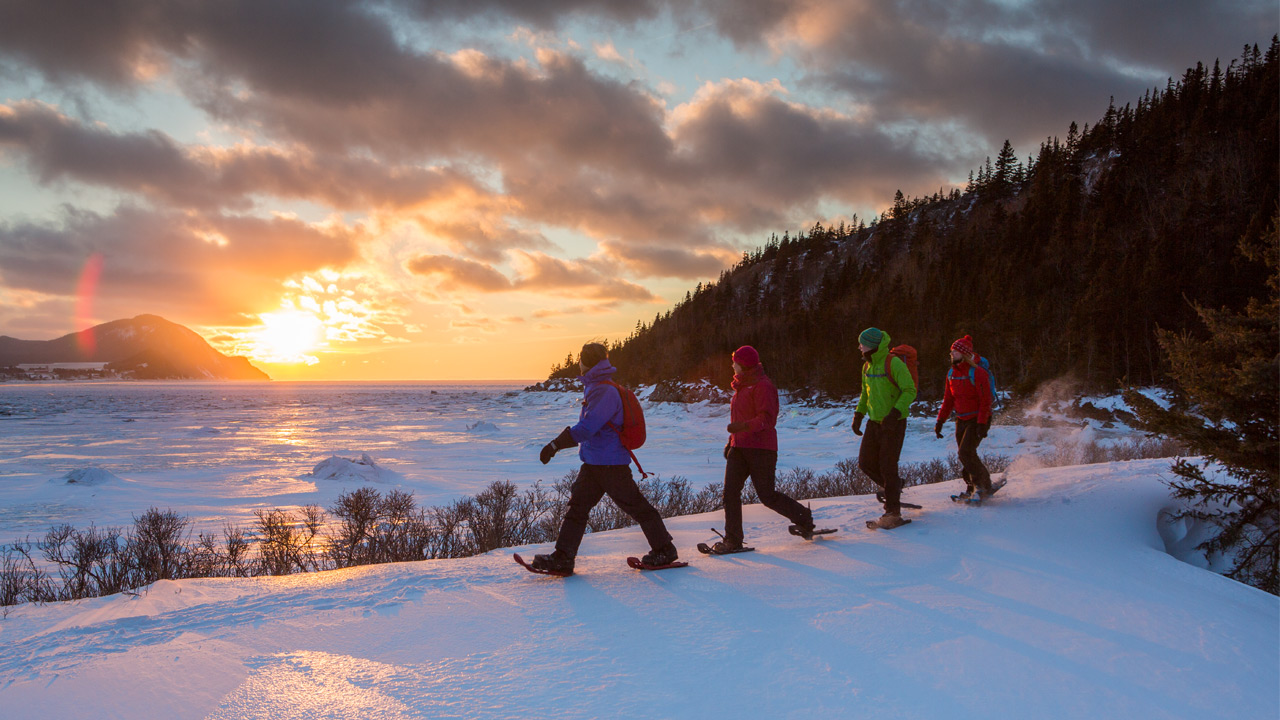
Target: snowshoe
640,564
964,496
721,549
664,555
534,567
808,532
888,521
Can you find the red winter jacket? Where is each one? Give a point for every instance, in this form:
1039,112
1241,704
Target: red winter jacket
755,401
970,398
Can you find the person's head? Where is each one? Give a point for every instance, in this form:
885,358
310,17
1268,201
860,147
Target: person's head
869,340
592,354
745,358
962,349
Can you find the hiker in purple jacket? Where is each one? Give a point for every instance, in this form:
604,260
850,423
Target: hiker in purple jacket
752,451
606,469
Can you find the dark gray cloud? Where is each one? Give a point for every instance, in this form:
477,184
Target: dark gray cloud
152,164
534,271
108,41
212,266
1018,70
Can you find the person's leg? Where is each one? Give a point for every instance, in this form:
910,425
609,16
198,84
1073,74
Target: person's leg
624,492
892,435
583,495
736,471
869,453
964,468
763,465
968,438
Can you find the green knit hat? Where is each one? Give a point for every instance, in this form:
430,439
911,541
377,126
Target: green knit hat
870,338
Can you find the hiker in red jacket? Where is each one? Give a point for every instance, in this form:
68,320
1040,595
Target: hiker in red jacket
968,392
752,451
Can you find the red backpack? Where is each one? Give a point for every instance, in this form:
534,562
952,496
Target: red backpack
907,355
632,432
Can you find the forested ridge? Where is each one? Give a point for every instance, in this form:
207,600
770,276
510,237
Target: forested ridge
1064,264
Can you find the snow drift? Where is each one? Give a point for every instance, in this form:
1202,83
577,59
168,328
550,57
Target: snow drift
1055,600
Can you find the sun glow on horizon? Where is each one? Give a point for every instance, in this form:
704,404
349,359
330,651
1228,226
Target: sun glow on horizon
287,336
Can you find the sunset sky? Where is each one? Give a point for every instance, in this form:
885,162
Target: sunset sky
467,189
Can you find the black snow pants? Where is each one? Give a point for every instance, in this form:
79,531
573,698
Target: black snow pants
593,483
761,466
975,472
878,458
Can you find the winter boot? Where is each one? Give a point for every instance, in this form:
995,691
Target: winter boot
557,562
968,493
804,530
727,545
889,520
664,555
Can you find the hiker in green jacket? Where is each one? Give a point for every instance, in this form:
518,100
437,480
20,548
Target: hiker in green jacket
886,399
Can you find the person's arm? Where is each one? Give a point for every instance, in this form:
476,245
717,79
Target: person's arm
862,397
603,403
948,401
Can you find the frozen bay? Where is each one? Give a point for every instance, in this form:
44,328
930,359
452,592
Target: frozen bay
219,451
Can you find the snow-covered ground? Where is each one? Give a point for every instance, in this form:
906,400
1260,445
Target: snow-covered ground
218,451
1055,600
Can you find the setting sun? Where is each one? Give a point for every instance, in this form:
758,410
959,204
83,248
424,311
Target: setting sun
287,337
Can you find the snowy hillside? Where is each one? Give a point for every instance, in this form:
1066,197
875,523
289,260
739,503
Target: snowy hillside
1056,600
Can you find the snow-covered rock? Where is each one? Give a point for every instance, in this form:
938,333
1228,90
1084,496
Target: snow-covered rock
482,427
88,476
340,468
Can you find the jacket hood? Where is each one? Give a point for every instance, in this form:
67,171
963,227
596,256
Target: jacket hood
603,370
882,351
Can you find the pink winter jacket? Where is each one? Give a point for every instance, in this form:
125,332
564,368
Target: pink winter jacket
755,401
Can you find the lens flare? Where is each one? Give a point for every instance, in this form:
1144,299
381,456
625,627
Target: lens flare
86,293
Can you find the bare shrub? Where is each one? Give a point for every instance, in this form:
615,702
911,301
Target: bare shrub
91,563
158,547
286,544
21,580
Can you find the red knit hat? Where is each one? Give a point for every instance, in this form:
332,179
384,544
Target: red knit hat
746,356
964,345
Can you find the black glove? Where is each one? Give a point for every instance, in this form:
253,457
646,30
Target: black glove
982,431
739,427
727,446
562,441
857,423
893,416
937,430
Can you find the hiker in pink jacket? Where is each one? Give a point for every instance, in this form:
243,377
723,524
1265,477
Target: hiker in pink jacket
752,450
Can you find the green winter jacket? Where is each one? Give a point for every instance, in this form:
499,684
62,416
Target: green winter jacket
879,395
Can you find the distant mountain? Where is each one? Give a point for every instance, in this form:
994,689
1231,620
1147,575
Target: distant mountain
147,346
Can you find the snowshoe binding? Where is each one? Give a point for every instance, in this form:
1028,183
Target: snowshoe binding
724,546
888,521
808,532
660,559
548,564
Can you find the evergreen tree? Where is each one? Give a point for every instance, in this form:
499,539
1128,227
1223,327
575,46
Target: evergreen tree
1227,411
